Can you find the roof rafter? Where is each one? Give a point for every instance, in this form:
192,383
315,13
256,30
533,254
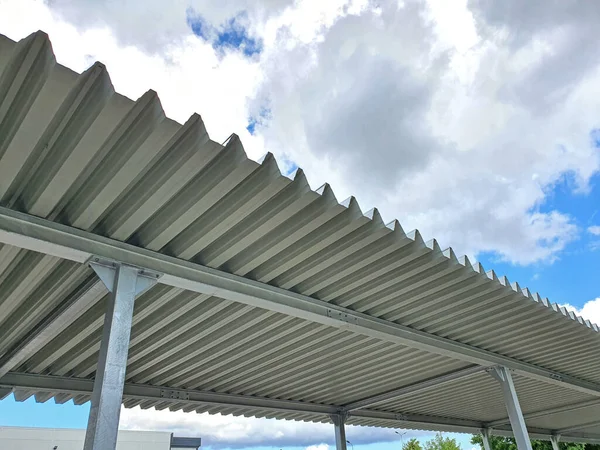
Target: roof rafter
414,388
549,412
78,387
33,233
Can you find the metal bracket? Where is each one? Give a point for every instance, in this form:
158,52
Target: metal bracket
173,394
342,316
495,373
339,418
106,268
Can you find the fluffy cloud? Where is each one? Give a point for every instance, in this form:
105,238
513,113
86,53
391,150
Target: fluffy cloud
219,431
456,120
595,230
590,310
318,447
437,133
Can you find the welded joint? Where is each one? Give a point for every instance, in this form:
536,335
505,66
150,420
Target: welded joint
497,373
554,440
486,432
106,269
339,418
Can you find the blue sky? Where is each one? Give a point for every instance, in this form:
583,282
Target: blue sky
231,34
50,415
573,278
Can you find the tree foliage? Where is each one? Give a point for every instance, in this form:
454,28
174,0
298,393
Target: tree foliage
439,442
413,444
508,443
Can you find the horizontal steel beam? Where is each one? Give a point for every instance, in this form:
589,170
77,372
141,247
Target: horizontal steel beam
414,388
30,232
583,426
549,412
66,385
419,421
83,386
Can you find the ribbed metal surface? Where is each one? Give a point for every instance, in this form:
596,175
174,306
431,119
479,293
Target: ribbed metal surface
477,397
75,152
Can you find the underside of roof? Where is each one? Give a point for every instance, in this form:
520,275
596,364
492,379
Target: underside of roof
96,170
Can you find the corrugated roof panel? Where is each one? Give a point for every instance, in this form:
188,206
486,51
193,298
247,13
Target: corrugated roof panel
75,152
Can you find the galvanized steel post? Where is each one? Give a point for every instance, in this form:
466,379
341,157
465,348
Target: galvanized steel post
554,441
339,421
124,283
517,422
485,435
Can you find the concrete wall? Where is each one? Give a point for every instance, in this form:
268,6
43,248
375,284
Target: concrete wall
22,438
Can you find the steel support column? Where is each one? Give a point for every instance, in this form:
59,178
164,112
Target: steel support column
554,441
485,435
124,283
339,422
517,422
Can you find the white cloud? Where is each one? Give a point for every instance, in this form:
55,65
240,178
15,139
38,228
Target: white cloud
219,431
595,230
589,311
318,447
454,120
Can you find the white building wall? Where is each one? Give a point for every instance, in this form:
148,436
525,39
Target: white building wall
22,438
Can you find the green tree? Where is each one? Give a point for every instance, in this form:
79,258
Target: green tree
413,444
439,442
508,443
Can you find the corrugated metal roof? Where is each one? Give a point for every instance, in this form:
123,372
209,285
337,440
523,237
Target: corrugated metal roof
75,152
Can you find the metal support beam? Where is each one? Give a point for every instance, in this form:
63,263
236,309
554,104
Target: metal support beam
64,314
33,233
554,441
549,412
414,388
82,387
124,283
485,436
582,426
517,422
339,422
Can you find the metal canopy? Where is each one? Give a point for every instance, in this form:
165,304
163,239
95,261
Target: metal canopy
272,300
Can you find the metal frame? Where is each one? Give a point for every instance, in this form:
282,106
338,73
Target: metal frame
124,283
549,412
82,386
583,426
414,388
517,422
485,436
29,232
339,424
